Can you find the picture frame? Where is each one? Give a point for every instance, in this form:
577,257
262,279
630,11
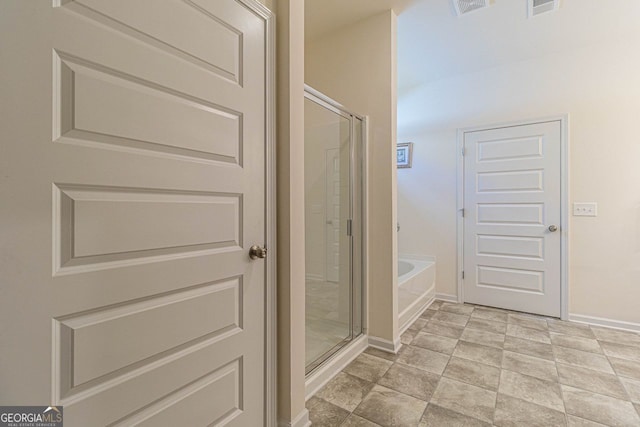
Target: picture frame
404,154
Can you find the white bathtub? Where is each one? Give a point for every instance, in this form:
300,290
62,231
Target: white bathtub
416,287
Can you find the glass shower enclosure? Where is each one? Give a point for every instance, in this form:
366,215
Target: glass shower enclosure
333,164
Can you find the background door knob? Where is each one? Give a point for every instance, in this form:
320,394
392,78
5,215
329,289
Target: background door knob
257,252
553,228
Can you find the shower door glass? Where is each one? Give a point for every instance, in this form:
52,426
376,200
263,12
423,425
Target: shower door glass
329,206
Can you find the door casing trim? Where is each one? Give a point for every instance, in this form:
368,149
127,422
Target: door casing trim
270,325
564,202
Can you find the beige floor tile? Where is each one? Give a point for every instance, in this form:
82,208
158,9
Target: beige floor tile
512,412
633,389
463,309
487,325
626,368
409,380
595,381
528,321
570,328
621,351
444,329
418,324
579,343
345,391
599,408
483,337
617,336
408,336
454,319
325,414
471,372
528,333
390,408
435,343
489,314
583,359
530,389
528,347
496,309
428,314
466,399
529,365
479,353
435,305
381,354
356,421
368,367
424,359
581,422
437,416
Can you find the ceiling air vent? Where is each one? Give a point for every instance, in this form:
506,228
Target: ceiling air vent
536,7
467,6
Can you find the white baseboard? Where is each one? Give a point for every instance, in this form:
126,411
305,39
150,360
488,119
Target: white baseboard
385,345
302,420
607,323
334,365
447,297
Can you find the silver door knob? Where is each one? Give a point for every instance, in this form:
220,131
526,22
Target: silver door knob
256,252
553,228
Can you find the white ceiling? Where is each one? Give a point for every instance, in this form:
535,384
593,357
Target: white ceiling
433,43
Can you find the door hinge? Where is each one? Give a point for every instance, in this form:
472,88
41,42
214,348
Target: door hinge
463,151
462,210
349,227
463,274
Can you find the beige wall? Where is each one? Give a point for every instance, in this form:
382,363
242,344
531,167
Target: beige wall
427,203
599,86
356,67
271,4
290,194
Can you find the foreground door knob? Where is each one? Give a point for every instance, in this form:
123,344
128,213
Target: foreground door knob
553,228
256,252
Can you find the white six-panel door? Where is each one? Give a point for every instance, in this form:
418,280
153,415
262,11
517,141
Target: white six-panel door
132,186
512,212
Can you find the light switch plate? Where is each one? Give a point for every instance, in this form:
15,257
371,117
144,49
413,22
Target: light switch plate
585,209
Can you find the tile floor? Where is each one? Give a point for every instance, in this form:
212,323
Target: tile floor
465,365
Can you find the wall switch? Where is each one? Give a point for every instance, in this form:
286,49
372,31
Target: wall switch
585,209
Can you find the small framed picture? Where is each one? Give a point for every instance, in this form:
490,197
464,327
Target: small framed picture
404,154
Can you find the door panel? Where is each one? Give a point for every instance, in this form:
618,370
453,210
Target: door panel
133,194
511,197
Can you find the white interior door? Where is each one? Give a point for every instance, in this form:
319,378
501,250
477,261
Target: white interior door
132,186
512,201
332,163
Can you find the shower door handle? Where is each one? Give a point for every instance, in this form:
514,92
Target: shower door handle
256,252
